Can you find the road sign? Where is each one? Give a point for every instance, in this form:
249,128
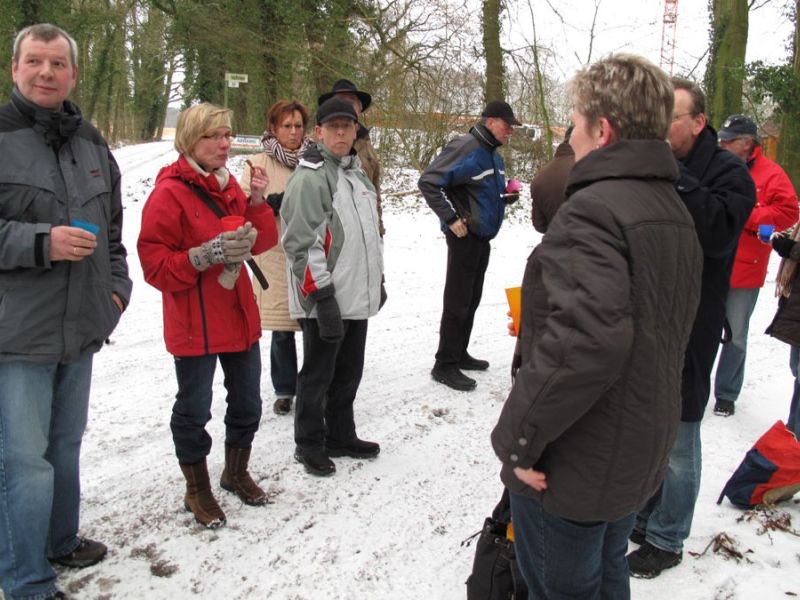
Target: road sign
236,78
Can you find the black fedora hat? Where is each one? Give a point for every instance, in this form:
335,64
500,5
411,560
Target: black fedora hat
345,86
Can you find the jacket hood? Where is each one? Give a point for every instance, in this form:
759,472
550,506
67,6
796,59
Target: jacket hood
626,159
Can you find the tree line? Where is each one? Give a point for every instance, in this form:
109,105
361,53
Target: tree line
428,63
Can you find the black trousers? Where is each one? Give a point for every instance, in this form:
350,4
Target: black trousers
467,259
327,385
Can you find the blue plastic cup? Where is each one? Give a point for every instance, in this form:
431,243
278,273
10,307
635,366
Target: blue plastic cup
90,227
765,232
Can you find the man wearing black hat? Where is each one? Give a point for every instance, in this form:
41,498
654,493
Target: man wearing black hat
335,286
347,90
465,186
776,205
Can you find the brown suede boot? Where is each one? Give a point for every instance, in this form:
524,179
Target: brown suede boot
236,479
199,499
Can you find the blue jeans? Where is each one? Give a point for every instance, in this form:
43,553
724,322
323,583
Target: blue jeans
730,368
192,408
667,518
283,364
43,412
793,424
560,558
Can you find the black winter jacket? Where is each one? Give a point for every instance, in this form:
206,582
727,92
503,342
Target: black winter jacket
717,189
608,299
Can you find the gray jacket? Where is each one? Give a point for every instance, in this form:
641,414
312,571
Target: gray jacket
608,300
56,169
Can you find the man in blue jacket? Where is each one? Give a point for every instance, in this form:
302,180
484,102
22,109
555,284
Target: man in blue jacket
63,286
465,187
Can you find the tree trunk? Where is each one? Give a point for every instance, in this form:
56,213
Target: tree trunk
725,71
493,51
789,146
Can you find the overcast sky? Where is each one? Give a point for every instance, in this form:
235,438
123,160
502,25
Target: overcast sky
636,26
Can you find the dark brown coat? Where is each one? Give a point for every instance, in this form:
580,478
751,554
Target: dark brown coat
549,187
608,300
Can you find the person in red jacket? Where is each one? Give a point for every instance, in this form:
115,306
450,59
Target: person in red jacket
210,311
776,205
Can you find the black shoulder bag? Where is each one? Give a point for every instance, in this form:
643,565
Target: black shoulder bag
203,195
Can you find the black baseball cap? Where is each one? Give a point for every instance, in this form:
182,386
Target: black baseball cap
334,108
737,126
500,110
345,86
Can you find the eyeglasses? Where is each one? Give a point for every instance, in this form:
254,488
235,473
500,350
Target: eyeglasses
218,137
679,115
292,126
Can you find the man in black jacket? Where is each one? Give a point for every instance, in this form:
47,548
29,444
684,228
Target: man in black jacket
465,186
719,193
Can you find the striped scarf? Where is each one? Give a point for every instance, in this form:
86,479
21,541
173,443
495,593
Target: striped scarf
288,158
786,271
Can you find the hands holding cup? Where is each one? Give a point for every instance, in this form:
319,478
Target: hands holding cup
765,232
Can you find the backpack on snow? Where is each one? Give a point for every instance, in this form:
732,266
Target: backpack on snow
769,473
495,573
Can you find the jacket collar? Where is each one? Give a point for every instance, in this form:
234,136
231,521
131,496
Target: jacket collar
704,149
57,127
484,136
626,159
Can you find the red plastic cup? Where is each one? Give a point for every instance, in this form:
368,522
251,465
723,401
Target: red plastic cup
232,222
513,186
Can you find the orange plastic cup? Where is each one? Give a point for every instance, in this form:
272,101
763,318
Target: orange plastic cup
232,222
514,296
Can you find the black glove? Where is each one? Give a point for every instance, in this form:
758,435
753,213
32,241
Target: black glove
516,363
783,245
383,293
329,319
275,201
510,198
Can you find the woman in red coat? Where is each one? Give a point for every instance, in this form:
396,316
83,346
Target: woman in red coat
210,312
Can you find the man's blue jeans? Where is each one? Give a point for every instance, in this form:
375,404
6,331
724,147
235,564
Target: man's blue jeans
793,424
667,518
560,558
43,412
730,368
283,364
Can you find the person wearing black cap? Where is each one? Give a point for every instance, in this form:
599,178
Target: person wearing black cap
776,205
465,186
334,251
361,101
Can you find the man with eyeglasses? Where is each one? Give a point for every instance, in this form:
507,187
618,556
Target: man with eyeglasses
776,205
63,286
334,252
719,194
466,187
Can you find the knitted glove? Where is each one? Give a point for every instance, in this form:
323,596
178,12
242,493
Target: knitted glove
516,363
208,253
783,245
229,275
236,245
329,319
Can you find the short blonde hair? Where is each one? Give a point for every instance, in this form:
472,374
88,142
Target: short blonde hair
631,92
196,121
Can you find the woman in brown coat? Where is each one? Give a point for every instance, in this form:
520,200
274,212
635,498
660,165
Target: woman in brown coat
284,142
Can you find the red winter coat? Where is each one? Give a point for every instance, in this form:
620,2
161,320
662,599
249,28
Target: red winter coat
776,205
200,316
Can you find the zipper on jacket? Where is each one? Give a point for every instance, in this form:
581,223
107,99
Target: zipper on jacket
202,312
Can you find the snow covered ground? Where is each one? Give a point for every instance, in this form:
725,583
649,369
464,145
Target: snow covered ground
389,528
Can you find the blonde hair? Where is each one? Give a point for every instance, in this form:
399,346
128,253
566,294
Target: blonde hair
631,92
196,121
